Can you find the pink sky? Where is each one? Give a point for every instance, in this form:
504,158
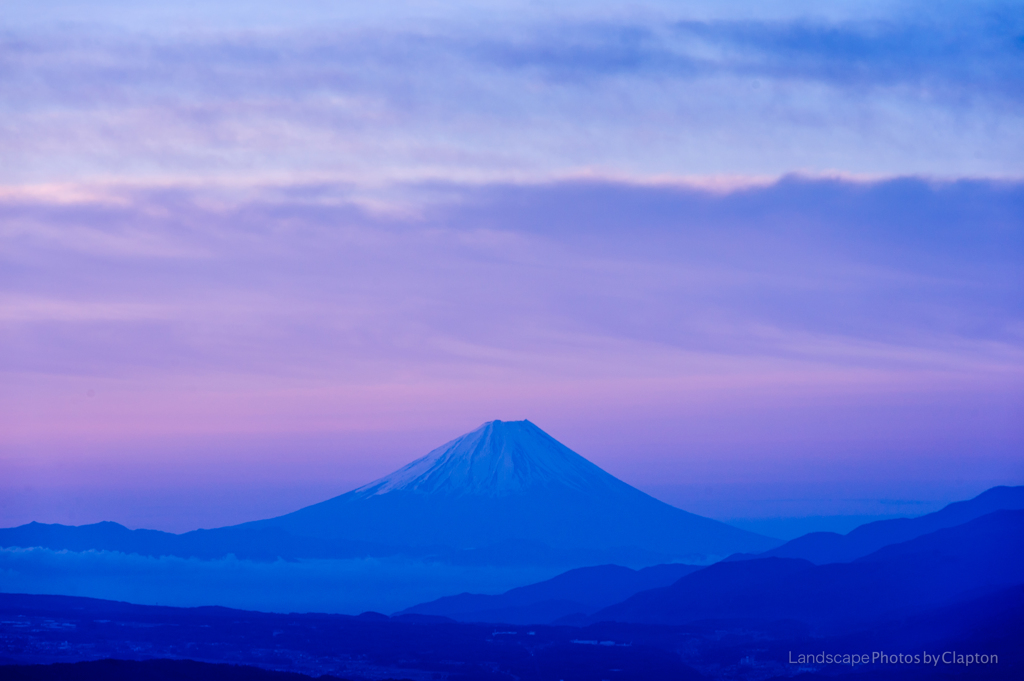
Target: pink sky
161,347
760,260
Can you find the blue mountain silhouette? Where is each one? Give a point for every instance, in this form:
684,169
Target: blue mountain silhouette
510,482
829,547
505,493
936,569
583,590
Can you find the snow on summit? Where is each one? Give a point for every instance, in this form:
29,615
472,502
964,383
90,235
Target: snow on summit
496,459
510,494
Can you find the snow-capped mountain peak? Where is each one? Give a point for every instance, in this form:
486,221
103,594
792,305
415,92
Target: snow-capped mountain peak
509,492
496,459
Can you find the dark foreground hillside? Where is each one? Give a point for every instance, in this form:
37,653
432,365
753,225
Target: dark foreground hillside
150,670
57,629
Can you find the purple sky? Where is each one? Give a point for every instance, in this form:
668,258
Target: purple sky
758,263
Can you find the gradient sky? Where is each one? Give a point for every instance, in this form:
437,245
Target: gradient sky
756,261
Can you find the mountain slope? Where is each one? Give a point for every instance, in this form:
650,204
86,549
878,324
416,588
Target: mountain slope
583,590
512,482
829,547
939,568
505,494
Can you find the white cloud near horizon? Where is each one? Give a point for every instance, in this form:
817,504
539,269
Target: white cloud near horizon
348,586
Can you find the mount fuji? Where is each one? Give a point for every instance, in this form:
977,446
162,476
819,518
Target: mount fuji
506,494
508,491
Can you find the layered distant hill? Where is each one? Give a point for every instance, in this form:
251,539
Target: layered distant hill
829,547
941,568
579,591
967,549
506,493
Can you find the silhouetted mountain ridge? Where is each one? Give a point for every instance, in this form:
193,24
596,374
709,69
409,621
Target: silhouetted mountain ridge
583,590
939,568
829,547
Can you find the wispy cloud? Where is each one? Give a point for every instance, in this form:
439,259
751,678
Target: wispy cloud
15,309
246,218
820,281
535,96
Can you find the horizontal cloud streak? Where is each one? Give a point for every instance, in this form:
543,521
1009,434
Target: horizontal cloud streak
956,57
896,272
791,323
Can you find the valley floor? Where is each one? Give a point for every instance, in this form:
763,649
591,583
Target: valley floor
44,630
